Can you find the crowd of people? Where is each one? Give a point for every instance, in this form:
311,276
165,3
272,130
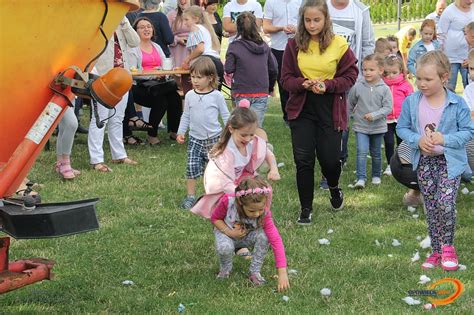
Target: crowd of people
331,73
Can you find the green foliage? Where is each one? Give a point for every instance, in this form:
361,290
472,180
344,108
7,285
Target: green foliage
385,11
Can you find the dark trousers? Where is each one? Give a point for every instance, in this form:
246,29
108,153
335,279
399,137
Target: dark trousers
313,135
130,112
283,93
389,140
169,103
220,70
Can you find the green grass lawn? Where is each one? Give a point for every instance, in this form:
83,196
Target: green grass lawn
169,253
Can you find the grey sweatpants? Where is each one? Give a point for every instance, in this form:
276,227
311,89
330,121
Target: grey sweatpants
225,247
67,129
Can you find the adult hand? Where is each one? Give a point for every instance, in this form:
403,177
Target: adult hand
180,139
318,87
185,65
307,84
425,144
437,138
283,282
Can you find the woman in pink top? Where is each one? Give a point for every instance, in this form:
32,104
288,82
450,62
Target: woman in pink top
158,94
244,219
178,49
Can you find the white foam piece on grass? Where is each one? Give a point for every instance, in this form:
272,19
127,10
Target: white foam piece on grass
330,231
396,242
324,241
471,193
350,186
377,242
415,216
411,301
425,243
424,279
390,255
411,209
325,292
465,191
415,257
128,282
281,164
285,298
292,271
419,238
462,267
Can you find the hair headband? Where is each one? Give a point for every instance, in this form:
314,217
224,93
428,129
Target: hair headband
251,191
245,103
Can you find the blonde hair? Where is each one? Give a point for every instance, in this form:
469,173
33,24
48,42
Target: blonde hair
326,35
197,12
437,58
205,66
393,60
429,23
247,200
470,57
375,57
239,118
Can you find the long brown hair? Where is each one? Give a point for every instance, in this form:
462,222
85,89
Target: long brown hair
239,118
179,16
302,37
247,200
198,12
247,27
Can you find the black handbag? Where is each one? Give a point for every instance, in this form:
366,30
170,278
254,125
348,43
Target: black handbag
159,87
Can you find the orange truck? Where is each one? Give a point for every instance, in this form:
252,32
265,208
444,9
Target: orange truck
47,50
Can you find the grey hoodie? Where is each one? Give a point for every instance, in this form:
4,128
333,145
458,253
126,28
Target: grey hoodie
376,99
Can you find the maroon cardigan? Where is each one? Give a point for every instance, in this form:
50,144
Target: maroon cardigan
292,80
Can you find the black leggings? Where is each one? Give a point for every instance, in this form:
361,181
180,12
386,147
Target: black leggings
170,103
313,135
389,140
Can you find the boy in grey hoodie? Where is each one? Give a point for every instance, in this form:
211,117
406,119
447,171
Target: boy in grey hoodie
370,101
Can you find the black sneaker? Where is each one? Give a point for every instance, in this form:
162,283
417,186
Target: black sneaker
305,217
337,198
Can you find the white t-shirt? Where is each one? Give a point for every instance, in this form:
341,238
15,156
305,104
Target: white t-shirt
469,95
281,13
240,161
344,23
232,10
202,36
429,47
451,29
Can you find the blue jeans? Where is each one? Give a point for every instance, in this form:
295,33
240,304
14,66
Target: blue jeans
258,104
453,76
364,144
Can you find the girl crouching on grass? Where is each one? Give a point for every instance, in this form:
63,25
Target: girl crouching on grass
244,219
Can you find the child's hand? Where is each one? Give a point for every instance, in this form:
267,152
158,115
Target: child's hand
283,282
437,138
180,139
368,117
237,232
425,144
273,175
318,87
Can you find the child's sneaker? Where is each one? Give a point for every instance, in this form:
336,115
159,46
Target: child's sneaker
449,259
188,202
376,181
388,171
323,184
360,184
223,275
337,198
432,261
257,279
305,217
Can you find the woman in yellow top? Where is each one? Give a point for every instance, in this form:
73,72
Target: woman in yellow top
318,69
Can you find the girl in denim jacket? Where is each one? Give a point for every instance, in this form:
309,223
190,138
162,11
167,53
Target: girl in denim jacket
436,124
428,42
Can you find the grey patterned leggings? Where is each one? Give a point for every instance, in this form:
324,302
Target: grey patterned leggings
225,247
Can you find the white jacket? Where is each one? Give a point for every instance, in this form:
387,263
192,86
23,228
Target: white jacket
127,38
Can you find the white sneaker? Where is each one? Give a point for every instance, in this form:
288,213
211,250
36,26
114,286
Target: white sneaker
388,171
376,181
359,184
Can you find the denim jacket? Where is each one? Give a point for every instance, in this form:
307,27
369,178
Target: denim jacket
455,125
416,51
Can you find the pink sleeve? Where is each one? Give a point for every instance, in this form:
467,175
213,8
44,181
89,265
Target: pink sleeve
408,89
275,240
220,211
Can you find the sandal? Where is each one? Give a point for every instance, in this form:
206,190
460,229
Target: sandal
101,167
132,140
137,123
157,141
125,161
58,165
